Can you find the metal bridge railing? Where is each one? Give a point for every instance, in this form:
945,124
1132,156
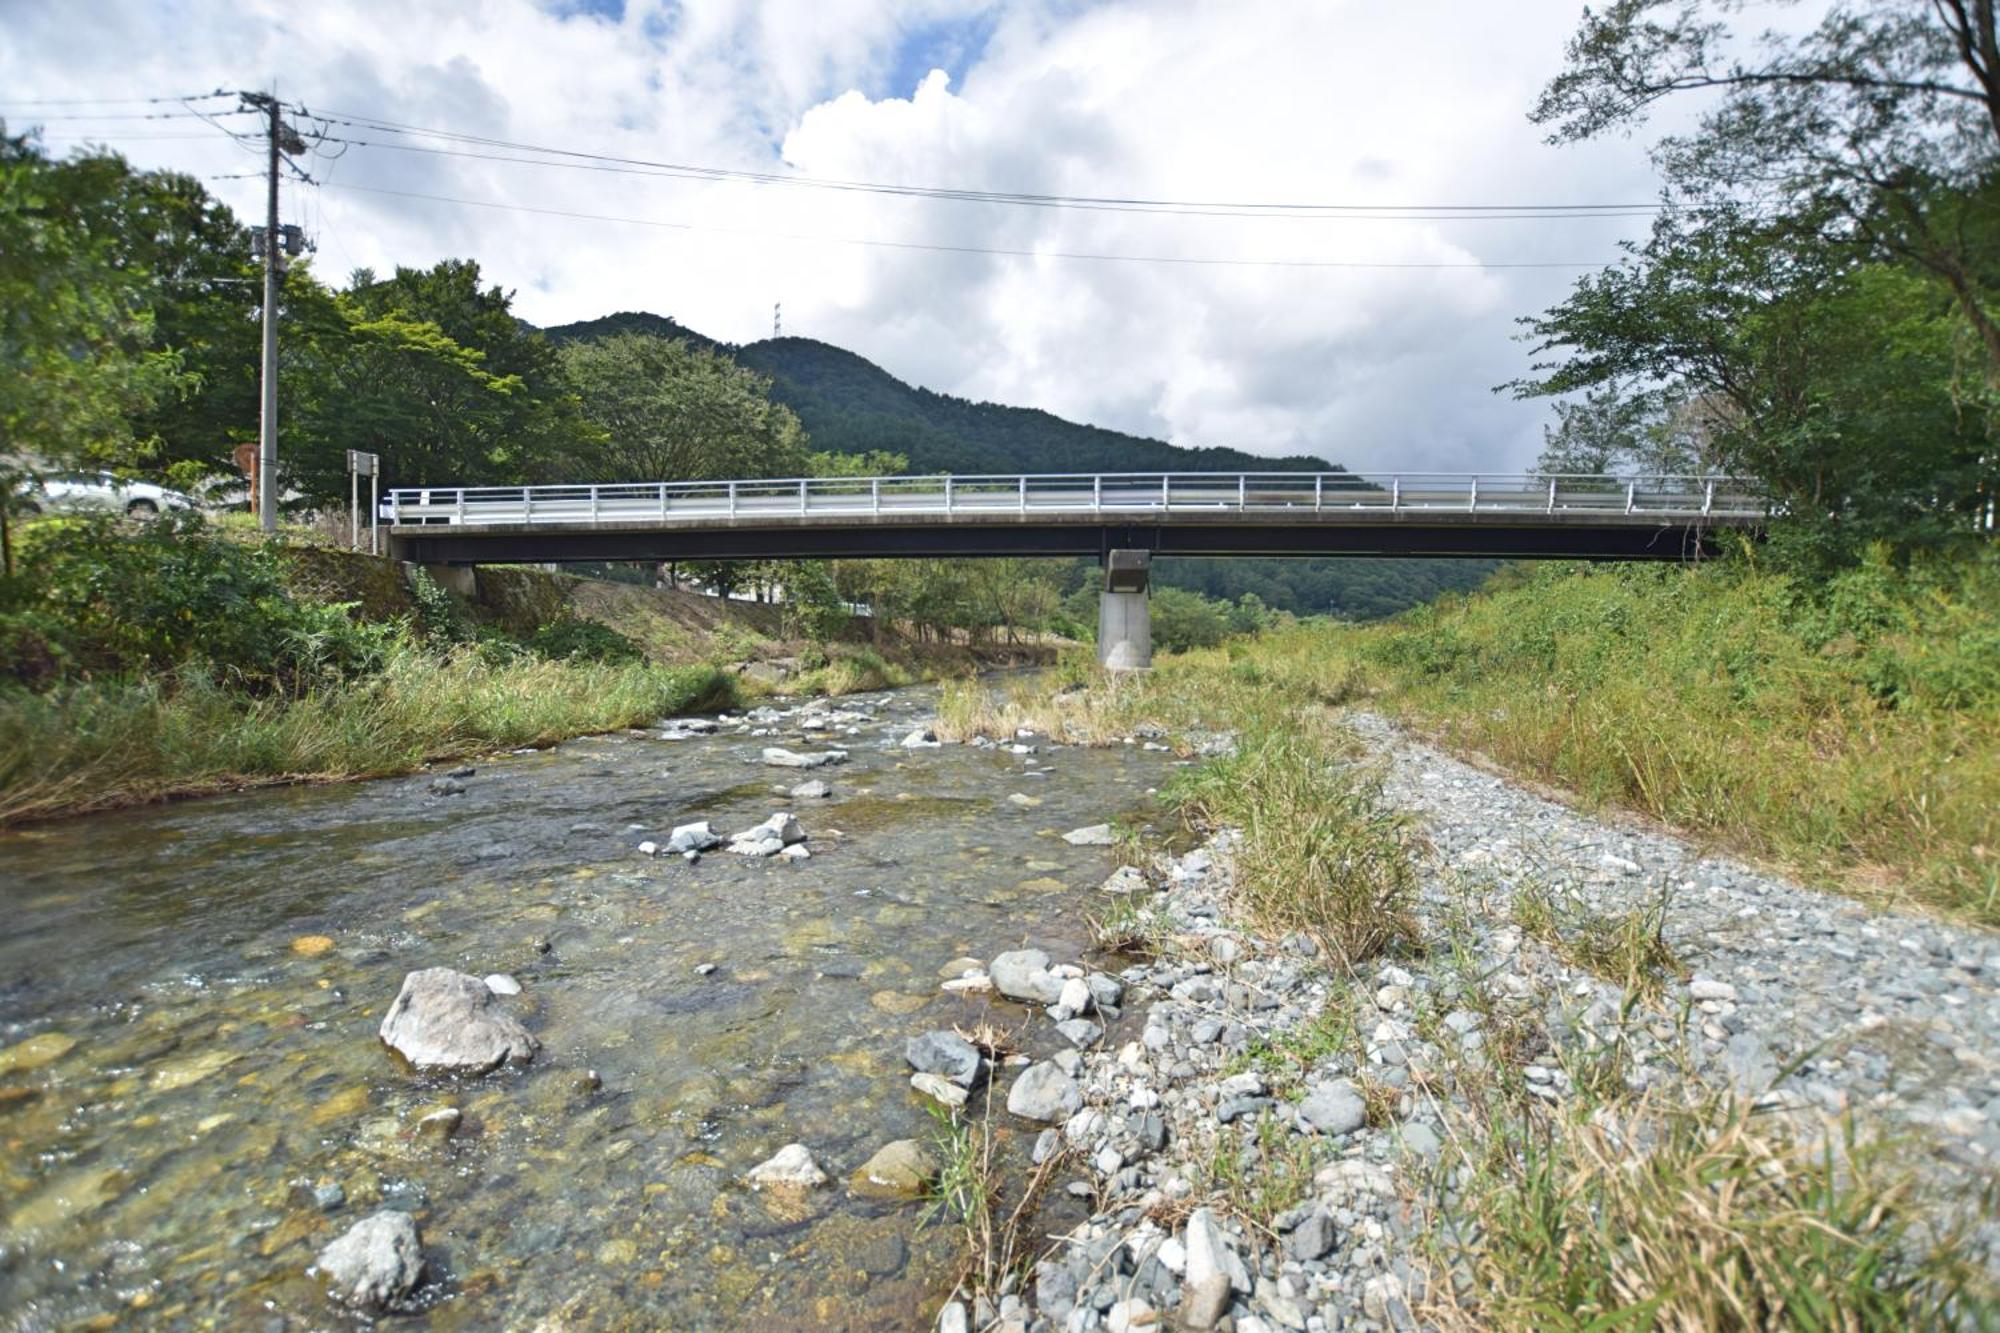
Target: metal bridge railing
1436,494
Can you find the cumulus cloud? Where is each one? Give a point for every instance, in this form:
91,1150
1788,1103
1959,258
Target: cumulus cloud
1344,101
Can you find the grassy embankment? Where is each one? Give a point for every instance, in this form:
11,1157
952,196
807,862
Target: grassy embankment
1852,734
141,665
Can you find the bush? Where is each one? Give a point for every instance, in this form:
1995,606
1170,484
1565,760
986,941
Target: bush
103,598
575,639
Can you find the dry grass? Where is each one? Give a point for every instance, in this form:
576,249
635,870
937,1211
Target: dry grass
1699,1216
1627,947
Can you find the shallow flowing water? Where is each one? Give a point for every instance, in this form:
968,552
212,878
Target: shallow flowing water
182,1066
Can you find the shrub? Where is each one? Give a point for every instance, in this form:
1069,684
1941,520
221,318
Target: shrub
99,597
575,639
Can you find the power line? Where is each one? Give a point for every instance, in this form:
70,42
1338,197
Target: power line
134,115
1198,261
1359,213
114,101
360,120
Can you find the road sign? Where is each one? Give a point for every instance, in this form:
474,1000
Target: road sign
362,463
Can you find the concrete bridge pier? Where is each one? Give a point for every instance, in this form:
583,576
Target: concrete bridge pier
1125,613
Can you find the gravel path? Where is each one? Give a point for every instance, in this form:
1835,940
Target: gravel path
1805,1001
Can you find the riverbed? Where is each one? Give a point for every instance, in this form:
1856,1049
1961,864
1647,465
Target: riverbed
193,1099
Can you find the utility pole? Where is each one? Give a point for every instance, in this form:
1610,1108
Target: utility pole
267,430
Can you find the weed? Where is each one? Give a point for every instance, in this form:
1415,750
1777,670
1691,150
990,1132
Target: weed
1628,948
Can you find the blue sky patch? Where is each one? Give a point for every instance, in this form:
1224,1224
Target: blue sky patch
952,45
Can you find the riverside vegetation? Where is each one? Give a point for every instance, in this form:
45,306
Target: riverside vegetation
1649,1159
139,662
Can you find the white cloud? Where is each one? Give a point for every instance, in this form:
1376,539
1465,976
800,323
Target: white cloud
1339,100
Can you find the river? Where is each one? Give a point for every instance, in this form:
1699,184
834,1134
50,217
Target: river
193,1099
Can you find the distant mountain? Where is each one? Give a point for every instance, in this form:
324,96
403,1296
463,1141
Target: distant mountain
850,405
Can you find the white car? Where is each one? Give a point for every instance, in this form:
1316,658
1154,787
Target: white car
97,493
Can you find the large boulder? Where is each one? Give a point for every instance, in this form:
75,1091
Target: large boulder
446,1020
768,838
1023,974
947,1055
779,757
898,1170
376,1264
695,837
791,1167
1043,1092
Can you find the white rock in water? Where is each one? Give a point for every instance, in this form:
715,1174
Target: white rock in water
443,1019
1126,879
922,739
649,849
502,984
695,837
376,1264
1075,996
779,757
768,838
790,1167
1096,835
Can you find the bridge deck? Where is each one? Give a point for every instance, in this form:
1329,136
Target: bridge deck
1339,513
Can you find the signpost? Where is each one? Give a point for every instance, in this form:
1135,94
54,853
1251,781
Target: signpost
361,464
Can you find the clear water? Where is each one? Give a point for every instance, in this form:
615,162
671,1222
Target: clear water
175,1075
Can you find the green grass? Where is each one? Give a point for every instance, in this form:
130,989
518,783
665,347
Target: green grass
1628,947
1850,730
97,745
1695,1216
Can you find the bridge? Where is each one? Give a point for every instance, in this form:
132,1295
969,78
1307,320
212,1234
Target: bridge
1123,519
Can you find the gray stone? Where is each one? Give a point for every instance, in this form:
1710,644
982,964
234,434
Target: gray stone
1022,974
1422,1141
947,1055
1752,1067
445,1020
768,838
1204,1303
779,757
900,1169
1043,1092
1334,1108
376,1264
1080,1031
1126,879
695,837
1096,835
813,790
1311,1238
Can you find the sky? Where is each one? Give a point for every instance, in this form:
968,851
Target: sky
1373,343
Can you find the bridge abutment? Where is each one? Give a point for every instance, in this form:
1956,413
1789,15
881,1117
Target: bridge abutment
1125,612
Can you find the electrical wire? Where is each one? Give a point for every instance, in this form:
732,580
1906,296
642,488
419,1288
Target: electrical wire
1198,261
359,120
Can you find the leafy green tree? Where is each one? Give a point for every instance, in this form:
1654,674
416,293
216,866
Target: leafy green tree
77,352
667,410
1184,620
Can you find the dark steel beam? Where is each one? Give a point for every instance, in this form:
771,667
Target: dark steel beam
446,544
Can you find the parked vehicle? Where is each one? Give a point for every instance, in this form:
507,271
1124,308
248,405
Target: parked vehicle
97,493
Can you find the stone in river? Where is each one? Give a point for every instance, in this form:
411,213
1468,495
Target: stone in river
1043,1092
815,790
311,946
376,1264
898,1002
1126,879
502,984
939,1088
897,1170
695,837
779,757
1023,800
770,837
791,1167
1023,974
947,1055
36,1051
445,1020
1096,835
958,967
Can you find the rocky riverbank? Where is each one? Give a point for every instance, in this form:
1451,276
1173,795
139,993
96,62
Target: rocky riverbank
1289,1144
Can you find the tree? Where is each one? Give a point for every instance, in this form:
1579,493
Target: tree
1880,127
77,353
667,410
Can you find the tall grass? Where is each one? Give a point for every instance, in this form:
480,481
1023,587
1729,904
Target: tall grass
1851,730
97,745
1321,854
1698,1216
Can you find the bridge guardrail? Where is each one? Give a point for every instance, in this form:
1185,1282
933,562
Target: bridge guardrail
1687,498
